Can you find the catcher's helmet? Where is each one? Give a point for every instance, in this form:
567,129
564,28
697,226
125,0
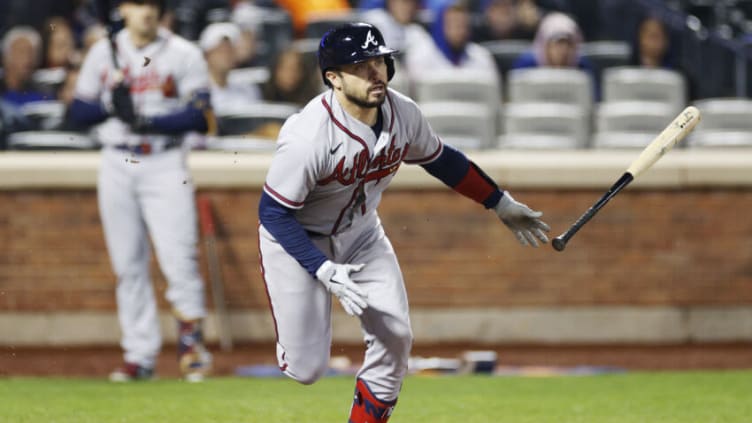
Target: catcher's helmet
353,43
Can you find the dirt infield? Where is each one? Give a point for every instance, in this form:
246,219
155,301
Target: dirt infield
99,361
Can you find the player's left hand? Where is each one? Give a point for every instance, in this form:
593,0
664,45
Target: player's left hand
336,279
524,222
122,103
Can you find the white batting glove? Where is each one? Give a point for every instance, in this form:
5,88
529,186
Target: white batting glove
524,222
336,279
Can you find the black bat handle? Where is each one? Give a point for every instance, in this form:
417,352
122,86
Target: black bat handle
560,242
106,15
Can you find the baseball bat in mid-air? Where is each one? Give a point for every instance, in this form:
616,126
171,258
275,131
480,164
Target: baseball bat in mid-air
665,141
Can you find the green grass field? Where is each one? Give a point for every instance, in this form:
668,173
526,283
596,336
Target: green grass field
631,397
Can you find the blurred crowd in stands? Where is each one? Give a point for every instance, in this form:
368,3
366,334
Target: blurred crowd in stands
264,52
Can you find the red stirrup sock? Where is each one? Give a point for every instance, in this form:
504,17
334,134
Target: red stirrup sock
366,408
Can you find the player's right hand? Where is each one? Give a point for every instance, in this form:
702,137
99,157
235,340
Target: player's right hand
122,103
336,279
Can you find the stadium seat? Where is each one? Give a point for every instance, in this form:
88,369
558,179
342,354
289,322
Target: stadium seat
44,115
606,54
248,76
51,140
259,118
544,126
469,126
726,122
630,124
505,52
49,80
472,87
547,85
633,116
642,84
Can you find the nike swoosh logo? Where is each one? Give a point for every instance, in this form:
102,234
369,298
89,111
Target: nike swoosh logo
334,150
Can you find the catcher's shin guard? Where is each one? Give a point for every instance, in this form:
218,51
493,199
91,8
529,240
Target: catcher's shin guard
366,408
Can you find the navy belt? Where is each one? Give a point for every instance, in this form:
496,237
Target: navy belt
145,149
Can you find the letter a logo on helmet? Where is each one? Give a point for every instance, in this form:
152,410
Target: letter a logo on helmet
370,40
353,43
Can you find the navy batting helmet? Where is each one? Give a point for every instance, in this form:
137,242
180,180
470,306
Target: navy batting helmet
353,43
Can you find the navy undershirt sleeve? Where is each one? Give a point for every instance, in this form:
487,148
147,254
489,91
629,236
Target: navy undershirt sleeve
190,118
82,114
452,166
281,223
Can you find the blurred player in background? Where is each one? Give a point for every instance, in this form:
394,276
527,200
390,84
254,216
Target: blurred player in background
160,93
320,233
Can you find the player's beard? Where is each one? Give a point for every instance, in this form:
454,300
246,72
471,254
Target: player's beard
362,100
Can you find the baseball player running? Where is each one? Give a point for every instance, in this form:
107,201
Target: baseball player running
146,107
320,233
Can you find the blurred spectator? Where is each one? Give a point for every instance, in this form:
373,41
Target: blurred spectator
217,42
59,44
21,56
557,44
651,45
248,18
289,80
451,47
302,11
652,48
397,23
508,19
